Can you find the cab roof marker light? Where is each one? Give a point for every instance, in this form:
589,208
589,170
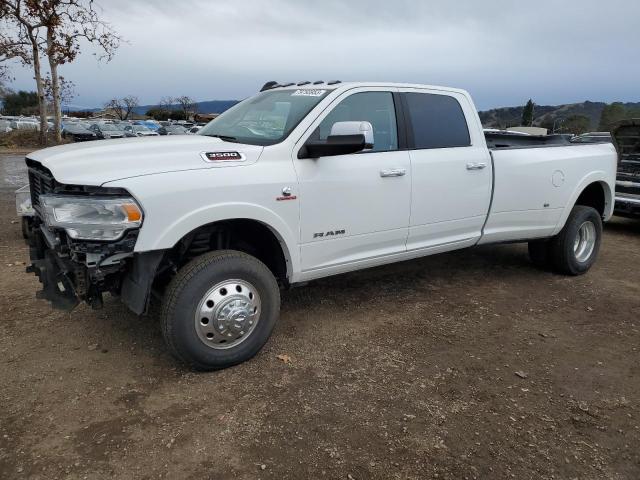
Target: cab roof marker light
269,85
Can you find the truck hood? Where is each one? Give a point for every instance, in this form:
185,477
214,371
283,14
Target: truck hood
626,137
98,162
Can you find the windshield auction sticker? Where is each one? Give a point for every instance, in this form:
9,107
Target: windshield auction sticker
308,93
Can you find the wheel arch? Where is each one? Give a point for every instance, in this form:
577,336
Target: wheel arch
593,191
247,235
171,234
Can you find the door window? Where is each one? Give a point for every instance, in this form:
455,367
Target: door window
374,107
437,121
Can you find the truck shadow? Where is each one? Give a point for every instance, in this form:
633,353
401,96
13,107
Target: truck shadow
623,225
418,276
412,280
474,273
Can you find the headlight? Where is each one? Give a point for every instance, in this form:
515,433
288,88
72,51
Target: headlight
91,218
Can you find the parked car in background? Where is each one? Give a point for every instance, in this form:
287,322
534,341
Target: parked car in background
627,140
108,130
172,130
593,137
78,132
295,184
24,125
194,130
151,124
139,131
5,126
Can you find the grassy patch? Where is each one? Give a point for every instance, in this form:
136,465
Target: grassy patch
25,139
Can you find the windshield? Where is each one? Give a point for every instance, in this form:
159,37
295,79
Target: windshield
265,119
140,128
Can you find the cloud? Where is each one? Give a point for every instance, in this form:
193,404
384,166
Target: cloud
502,51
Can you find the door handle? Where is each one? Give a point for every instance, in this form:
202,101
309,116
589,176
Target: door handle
476,166
393,172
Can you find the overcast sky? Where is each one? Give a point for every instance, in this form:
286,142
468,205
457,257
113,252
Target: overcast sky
502,51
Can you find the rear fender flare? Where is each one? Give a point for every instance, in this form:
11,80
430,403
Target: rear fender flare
593,177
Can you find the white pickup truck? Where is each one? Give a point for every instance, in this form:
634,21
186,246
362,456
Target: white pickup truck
298,182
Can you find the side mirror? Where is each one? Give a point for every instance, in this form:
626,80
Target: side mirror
345,138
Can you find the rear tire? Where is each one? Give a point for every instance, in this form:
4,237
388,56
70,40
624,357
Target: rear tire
575,249
219,310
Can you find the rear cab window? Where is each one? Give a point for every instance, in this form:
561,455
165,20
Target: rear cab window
435,121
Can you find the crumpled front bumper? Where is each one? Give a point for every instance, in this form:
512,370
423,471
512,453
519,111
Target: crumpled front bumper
56,275
85,272
627,205
627,202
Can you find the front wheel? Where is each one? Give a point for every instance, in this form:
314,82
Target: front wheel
575,249
219,310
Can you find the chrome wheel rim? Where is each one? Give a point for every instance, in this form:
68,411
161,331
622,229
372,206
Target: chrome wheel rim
585,242
228,314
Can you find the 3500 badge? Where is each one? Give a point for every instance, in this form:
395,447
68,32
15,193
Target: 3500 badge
222,156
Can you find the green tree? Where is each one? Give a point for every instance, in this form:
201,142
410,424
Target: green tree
548,121
611,114
527,114
576,124
20,103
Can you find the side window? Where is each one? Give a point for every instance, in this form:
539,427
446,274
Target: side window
437,121
374,107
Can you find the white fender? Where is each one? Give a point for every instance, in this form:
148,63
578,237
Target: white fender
599,176
173,232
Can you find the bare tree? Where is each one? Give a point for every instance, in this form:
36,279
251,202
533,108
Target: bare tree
4,76
66,88
117,107
20,38
187,105
130,102
67,23
7,53
122,107
166,104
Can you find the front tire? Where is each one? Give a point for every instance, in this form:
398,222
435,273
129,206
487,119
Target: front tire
219,310
575,249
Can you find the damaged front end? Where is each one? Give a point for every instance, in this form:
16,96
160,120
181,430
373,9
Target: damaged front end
81,243
626,137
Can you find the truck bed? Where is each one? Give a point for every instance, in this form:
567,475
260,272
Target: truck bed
514,140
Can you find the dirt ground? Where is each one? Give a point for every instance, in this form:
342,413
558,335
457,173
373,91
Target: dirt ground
471,364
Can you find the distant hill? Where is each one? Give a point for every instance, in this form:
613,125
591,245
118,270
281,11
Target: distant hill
210,106
512,116
494,118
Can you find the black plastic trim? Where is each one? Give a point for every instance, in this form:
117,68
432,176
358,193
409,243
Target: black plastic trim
401,122
410,141
136,285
